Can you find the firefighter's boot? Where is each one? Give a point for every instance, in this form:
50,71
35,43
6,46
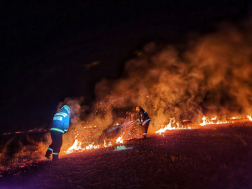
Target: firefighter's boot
48,154
55,157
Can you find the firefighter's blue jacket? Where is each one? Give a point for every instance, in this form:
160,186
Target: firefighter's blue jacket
61,121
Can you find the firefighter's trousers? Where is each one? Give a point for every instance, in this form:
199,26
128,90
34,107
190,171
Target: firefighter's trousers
145,126
54,148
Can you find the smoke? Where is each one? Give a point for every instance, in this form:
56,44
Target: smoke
211,76
221,65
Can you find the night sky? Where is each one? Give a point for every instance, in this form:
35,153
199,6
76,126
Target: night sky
57,49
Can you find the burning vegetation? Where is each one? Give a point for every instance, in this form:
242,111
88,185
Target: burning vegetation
207,82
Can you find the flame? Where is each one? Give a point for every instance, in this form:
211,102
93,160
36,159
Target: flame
234,119
119,140
169,127
250,118
205,121
75,147
214,118
107,145
92,146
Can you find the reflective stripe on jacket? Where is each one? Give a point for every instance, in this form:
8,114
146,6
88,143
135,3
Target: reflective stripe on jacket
145,121
56,129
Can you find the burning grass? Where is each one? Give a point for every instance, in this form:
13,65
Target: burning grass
24,149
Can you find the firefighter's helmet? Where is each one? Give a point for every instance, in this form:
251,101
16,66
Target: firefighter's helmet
66,107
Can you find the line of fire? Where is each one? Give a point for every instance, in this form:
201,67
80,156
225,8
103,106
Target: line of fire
127,129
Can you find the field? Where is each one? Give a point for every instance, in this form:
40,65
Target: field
211,157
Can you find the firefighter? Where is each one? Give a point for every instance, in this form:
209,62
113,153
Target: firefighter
60,126
143,119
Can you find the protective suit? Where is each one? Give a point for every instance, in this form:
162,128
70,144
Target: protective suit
60,126
143,119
